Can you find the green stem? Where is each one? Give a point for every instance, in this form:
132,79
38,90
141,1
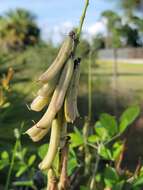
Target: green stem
89,89
113,139
82,19
93,181
16,146
11,165
79,29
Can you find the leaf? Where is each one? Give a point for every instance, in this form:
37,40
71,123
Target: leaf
101,131
72,162
119,186
43,150
3,164
128,116
116,150
110,176
93,139
31,160
83,187
105,153
5,155
109,123
98,177
138,181
76,138
21,170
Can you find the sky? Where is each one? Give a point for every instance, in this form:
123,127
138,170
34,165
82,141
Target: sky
57,17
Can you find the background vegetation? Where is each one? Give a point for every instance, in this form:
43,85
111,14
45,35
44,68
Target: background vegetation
24,55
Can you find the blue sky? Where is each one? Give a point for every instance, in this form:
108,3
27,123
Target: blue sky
56,17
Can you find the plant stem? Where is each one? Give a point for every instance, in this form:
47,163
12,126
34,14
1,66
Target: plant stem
82,19
16,146
92,183
113,139
89,89
52,181
79,29
11,165
64,180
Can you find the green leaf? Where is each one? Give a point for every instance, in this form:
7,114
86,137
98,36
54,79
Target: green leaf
31,160
110,176
21,170
101,132
109,123
5,155
116,150
138,181
128,116
105,152
3,164
93,139
43,150
76,138
98,177
72,162
119,186
83,187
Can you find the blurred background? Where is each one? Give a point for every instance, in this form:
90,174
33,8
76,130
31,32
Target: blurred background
111,48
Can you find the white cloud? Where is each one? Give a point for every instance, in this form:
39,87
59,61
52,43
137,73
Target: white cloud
94,29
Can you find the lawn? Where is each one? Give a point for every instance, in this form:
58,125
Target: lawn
130,76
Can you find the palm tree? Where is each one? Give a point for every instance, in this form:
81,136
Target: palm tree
18,29
113,23
130,6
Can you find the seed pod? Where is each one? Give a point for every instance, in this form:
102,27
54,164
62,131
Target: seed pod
64,84
47,162
39,135
56,101
49,87
44,95
39,103
61,58
70,104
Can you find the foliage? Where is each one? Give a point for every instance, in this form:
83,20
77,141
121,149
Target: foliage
112,19
18,161
18,29
106,147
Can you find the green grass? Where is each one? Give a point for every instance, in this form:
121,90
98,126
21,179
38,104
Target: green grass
130,76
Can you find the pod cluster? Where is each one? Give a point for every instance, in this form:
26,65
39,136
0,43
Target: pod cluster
58,92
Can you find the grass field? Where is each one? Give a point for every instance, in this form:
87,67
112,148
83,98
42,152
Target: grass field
130,76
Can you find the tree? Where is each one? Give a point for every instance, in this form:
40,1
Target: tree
130,6
18,29
113,22
98,42
131,36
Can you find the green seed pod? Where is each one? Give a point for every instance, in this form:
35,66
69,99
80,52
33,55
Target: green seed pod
64,84
39,103
47,162
63,55
49,87
70,104
56,101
